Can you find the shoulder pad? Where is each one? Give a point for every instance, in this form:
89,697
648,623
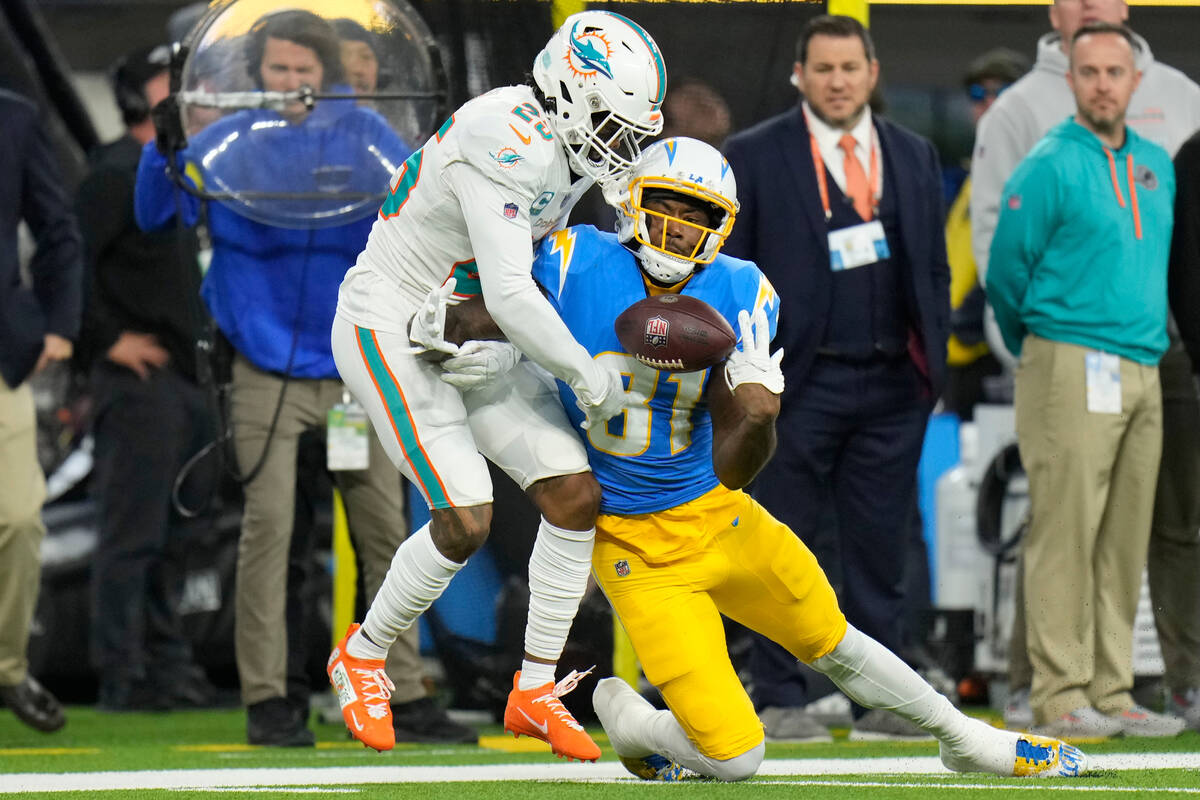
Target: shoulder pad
491,134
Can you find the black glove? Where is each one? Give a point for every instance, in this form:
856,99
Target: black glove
168,126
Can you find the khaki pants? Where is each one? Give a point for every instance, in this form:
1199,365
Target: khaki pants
1173,559
22,489
374,508
1092,480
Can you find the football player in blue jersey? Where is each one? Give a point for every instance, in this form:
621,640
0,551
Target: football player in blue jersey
678,544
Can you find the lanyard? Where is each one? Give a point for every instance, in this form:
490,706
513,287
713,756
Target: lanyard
873,180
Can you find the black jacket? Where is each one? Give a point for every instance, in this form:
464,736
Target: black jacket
1183,274
31,189
134,280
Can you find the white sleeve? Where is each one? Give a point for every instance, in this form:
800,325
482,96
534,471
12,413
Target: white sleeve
503,250
999,148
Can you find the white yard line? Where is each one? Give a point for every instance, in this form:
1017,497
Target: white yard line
311,778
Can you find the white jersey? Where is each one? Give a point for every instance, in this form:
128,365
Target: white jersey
470,204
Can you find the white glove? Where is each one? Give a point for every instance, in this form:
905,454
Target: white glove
428,327
607,405
755,363
478,363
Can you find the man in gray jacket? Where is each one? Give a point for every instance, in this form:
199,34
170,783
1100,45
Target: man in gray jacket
1165,109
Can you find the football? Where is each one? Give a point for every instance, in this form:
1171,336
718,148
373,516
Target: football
675,332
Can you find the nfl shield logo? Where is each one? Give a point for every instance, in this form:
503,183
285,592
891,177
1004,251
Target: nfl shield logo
622,568
656,332
510,210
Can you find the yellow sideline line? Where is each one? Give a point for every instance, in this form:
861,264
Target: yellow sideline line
48,751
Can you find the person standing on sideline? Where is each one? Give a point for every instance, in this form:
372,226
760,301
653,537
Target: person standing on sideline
1178,635
150,415
1078,283
969,361
1164,109
842,210
37,325
272,292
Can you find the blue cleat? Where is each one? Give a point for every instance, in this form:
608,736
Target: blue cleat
654,768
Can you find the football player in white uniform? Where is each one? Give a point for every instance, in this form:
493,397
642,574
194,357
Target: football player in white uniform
461,219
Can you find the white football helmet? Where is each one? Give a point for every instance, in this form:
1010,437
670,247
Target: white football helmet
698,172
604,83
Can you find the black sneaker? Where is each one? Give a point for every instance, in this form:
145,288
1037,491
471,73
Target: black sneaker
277,723
33,705
188,686
122,695
423,720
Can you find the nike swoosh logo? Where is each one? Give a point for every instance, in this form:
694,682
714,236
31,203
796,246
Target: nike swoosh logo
544,727
358,726
524,139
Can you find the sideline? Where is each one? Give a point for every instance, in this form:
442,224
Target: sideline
606,771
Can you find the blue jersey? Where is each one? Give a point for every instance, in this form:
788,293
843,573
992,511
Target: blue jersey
665,428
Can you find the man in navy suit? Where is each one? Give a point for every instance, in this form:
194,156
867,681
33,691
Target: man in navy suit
843,212
37,325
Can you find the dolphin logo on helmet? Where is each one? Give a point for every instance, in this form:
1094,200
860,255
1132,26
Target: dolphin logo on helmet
603,82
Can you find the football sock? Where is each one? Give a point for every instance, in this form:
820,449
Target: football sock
535,673
637,729
875,677
558,574
418,576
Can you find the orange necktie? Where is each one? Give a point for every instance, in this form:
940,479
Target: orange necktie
856,180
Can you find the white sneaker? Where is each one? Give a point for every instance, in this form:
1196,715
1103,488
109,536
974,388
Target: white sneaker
1141,721
1082,723
792,724
1018,714
1009,754
1185,703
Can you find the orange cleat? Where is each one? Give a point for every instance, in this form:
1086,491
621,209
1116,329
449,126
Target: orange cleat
363,689
540,714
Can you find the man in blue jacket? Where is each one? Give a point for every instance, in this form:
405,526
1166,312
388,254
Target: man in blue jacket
1078,281
272,291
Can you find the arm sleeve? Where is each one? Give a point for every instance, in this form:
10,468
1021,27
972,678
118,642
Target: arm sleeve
1026,221
503,251
57,266
1183,279
156,199
998,150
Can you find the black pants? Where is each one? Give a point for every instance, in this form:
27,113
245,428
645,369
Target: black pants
144,433
844,480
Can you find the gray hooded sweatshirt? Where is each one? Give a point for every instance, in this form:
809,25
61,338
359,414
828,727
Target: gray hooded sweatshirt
1165,109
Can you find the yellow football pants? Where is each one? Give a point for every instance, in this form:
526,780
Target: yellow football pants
752,569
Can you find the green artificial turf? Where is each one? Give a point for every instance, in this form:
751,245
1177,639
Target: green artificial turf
96,742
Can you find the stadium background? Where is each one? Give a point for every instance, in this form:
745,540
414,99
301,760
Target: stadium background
60,51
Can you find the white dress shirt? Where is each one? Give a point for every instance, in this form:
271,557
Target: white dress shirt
831,151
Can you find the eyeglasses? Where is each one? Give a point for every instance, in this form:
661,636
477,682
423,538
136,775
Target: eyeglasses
978,92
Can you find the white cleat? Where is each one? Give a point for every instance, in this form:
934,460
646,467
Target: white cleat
1010,754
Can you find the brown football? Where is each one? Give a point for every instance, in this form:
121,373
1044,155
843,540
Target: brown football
675,332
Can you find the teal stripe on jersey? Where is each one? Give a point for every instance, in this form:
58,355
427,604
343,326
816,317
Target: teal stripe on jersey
401,423
408,179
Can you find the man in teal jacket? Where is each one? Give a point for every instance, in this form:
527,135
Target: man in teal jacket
1077,278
